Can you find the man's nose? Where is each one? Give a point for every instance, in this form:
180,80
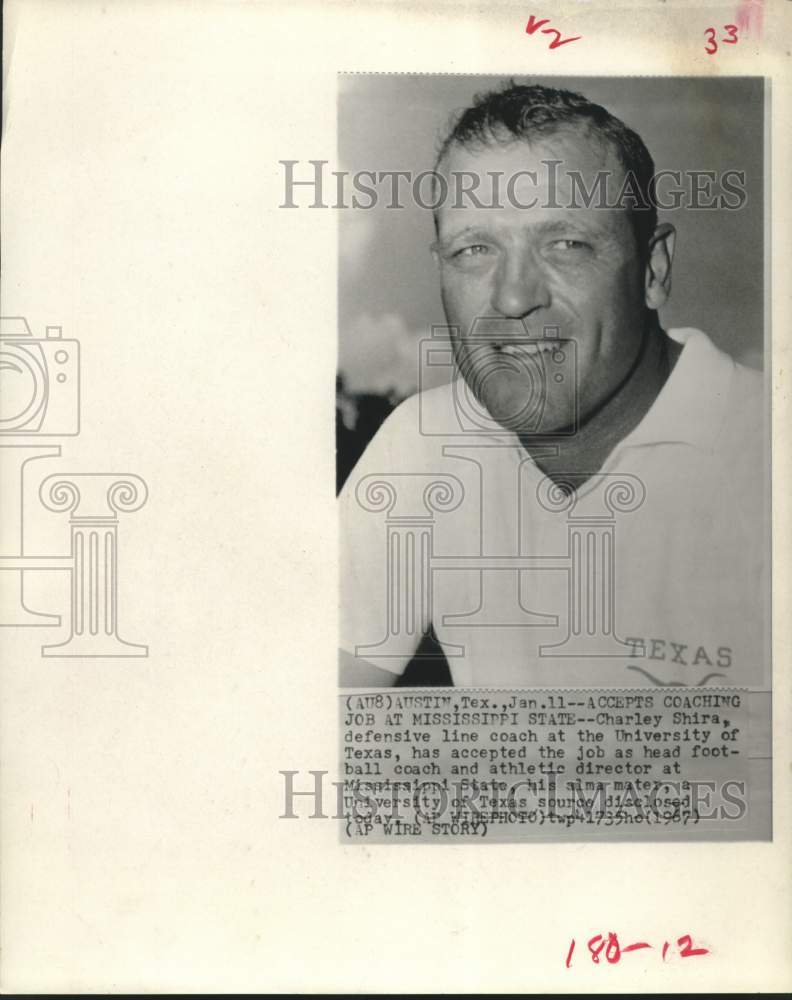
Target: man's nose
520,287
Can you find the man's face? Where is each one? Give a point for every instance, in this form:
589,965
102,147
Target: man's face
526,270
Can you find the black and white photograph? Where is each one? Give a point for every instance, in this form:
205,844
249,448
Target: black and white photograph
552,414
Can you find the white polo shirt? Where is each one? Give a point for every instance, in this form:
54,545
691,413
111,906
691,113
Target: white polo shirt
657,574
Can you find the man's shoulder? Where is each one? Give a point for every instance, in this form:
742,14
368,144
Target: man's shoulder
438,399
746,411
408,436
748,382
421,416
721,392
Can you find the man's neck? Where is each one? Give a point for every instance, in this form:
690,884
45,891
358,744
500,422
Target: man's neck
584,453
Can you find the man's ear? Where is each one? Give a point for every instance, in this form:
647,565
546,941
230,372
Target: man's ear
658,265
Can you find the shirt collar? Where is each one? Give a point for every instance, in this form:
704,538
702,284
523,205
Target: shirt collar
691,406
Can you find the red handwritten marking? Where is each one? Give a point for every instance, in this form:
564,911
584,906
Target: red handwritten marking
595,950
636,946
613,951
687,950
731,34
730,38
534,25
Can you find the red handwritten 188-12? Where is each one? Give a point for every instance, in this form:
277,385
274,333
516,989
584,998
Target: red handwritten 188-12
613,951
534,25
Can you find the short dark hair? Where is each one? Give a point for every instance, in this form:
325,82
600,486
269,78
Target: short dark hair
528,111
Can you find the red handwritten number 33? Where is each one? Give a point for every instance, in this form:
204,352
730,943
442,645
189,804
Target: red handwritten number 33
731,38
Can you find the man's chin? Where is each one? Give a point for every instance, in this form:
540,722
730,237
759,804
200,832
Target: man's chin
529,418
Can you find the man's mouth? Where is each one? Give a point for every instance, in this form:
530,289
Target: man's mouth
528,347
513,338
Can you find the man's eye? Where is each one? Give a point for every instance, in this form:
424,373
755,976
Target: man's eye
569,245
474,250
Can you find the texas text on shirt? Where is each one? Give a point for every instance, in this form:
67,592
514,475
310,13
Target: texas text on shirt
655,574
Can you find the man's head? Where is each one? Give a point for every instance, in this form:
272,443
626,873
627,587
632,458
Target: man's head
546,256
